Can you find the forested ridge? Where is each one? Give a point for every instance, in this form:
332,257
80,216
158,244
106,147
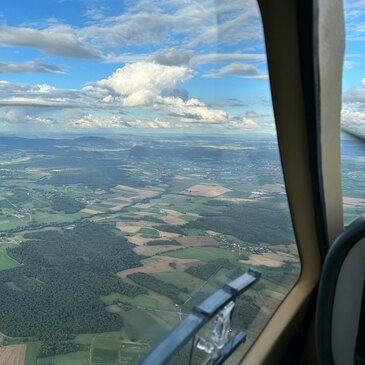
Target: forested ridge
251,222
63,203
56,293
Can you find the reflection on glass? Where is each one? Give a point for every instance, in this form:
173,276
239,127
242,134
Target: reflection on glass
139,172
353,114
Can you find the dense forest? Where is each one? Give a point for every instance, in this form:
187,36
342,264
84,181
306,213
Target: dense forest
246,310
205,271
251,222
56,292
169,290
64,203
163,243
51,348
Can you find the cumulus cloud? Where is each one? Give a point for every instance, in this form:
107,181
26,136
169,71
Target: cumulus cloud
193,22
193,110
43,95
22,117
243,123
88,121
353,120
58,40
184,57
144,83
172,57
145,22
228,103
353,117
355,95
239,70
37,102
30,66
225,57
149,84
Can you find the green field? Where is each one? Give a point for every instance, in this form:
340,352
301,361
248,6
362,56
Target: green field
204,254
149,233
32,352
11,222
105,357
141,326
132,353
73,358
180,279
6,262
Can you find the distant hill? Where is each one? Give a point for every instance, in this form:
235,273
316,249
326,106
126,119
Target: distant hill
41,143
93,141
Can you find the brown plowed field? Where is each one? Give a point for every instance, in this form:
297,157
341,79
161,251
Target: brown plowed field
193,241
207,190
12,355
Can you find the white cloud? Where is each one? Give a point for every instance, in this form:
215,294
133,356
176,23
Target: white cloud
30,66
239,70
243,123
43,95
22,117
37,102
353,120
172,57
144,83
153,85
353,117
149,124
224,57
249,123
149,86
142,23
357,4
88,121
58,40
349,65
193,22
194,111
355,95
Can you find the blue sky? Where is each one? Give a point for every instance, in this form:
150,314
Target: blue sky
179,65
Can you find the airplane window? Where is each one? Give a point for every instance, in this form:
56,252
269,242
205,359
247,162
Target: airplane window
353,113
139,173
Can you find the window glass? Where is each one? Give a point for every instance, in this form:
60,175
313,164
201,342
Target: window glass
353,113
139,173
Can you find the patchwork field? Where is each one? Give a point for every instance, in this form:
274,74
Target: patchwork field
123,236
159,264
